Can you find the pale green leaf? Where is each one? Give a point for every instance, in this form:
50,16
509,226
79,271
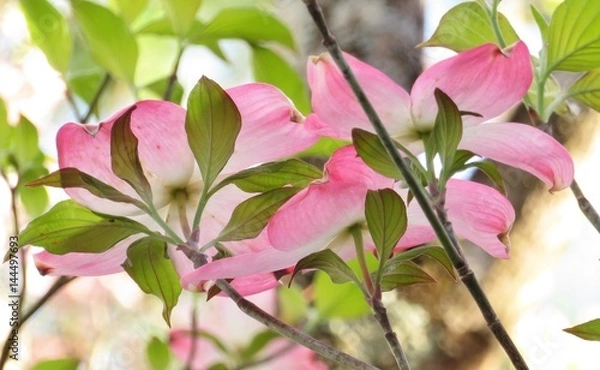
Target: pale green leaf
587,89
158,354
466,26
57,364
49,31
112,45
181,14
344,301
271,68
155,274
292,305
540,21
129,9
574,37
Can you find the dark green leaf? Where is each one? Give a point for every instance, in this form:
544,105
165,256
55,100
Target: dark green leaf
212,123
68,227
437,253
258,343
540,21
273,175
271,68
447,131
181,14
386,218
466,26
345,301
404,274
110,41
373,153
57,364
124,156
330,263
251,24
574,37
491,171
588,331
251,216
158,354
147,265
460,159
70,177
587,89
49,31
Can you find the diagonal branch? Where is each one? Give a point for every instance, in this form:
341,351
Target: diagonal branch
443,231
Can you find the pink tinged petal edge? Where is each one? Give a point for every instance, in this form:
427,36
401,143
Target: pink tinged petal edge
485,80
84,264
524,147
164,153
272,128
338,109
313,217
480,214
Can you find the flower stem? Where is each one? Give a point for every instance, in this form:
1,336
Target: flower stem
96,98
442,230
173,76
373,296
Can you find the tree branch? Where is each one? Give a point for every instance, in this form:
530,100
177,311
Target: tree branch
450,245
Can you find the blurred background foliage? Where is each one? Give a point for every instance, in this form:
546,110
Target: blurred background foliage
82,60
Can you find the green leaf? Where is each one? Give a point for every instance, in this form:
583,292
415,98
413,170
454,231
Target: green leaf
437,253
273,175
68,227
540,21
7,130
158,354
271,68
49,31
251,24
125,161
404,274
466,26
112,45
345,301
25,146
251,216
386,218
447,130
589,330
212,124
373,153
491,171
130,9
292,305
330,263
461,157
35,200
574,37
70,177
181,14
147,265
159,87
587,89
57,364
258,343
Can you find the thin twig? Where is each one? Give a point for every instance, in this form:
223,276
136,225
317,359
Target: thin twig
96,98
450,245
173,76
73,104
586,207
55,288
390,336
294,334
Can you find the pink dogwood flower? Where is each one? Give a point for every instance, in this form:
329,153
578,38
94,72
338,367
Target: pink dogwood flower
484,80
221,318
319,217
271,129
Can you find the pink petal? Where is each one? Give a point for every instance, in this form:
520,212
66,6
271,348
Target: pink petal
485,80
337,107
164,153
271,127
480,214
84,264
298,358
313,217
524,147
